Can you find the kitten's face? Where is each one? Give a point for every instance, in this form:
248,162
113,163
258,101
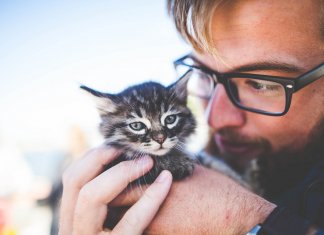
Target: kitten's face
147,119
153,134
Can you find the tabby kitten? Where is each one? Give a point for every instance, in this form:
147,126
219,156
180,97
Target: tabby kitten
149,119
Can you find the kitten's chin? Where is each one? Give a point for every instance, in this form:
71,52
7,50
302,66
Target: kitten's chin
160,152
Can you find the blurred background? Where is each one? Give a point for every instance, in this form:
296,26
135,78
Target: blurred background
47,49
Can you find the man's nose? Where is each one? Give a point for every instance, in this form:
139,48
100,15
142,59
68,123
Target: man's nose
221,112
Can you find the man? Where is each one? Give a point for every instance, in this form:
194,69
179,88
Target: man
251,117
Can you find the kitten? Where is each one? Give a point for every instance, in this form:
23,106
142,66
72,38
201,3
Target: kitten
149,119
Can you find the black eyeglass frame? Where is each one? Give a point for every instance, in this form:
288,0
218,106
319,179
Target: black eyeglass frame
291,85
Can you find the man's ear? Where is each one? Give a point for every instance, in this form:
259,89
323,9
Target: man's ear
105,102
179,88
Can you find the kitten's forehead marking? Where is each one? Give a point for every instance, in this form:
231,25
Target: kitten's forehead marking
155,95
138,97
162,108
141,99
126,99
134,115
143,112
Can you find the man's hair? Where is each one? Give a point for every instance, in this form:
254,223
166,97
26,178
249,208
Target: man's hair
193,19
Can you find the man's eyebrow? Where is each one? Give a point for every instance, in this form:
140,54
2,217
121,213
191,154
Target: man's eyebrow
269,66
262,66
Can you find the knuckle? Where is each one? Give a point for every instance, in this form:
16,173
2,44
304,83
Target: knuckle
68,178
90,195
86,193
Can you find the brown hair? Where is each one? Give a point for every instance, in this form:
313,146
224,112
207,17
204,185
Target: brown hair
192,19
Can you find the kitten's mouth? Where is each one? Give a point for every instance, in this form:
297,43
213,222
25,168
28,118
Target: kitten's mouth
161,151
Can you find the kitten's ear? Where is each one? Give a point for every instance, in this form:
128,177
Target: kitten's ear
179,88
105,102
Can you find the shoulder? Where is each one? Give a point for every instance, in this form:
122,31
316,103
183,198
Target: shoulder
313,195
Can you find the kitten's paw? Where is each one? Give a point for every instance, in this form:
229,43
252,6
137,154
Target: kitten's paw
182,170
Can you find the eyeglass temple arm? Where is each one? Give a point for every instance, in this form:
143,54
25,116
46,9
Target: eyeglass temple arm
309,77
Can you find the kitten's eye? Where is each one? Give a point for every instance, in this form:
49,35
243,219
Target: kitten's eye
170,119
137,126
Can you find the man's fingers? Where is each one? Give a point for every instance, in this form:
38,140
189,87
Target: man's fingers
93,161
129,196
91,208
139,216
106,186
77,175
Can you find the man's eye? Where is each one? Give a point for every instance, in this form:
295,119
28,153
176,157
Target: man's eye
264,85
170,119
137,126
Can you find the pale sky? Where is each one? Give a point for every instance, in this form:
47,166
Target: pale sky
47,48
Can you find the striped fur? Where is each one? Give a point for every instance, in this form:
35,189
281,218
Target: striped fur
149,119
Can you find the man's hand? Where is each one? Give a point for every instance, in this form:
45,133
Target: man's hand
87,191
205,203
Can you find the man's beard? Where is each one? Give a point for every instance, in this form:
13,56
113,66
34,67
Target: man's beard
286,168
273,172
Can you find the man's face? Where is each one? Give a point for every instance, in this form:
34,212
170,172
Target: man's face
268,33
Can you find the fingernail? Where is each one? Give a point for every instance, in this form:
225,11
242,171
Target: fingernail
164,175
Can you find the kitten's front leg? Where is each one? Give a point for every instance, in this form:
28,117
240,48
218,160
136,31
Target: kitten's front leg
178,164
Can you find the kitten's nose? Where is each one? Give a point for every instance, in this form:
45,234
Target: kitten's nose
159,137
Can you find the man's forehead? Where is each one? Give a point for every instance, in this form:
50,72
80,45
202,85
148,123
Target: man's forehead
256,11
270,30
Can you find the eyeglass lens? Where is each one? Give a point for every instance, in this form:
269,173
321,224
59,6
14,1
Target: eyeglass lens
256,94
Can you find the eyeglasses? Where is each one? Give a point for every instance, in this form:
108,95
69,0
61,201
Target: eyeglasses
269,95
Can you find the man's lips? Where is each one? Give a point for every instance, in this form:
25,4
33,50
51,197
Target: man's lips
234,148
